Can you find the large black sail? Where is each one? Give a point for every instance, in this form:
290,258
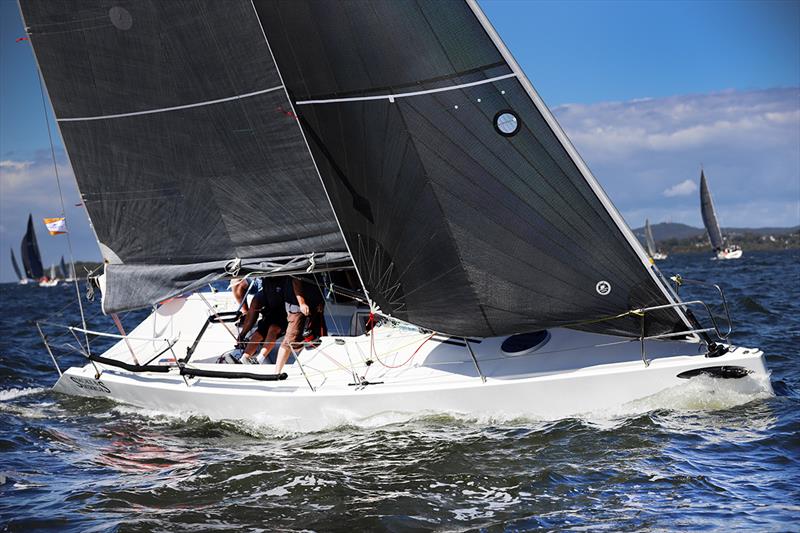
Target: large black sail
462,208
183,143
16,266
709,214
29,252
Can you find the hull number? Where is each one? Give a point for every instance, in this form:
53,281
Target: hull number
90,384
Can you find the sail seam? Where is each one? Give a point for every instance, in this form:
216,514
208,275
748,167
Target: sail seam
391,97
173,108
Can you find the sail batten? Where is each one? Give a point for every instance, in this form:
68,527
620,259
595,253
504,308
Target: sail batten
173,108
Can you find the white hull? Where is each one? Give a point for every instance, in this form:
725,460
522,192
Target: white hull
571,373
730,254
50,283
659,256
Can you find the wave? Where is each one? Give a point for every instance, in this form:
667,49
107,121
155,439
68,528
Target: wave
10,394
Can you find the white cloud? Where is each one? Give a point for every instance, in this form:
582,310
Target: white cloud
747,141
684,188
8,165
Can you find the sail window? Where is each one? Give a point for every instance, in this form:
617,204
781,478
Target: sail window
506,123
525,342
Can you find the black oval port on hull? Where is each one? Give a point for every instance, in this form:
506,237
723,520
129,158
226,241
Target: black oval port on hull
723,372
525,342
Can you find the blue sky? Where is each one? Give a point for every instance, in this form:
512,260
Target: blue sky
646,90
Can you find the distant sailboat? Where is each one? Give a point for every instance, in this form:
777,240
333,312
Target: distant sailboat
656,254
712,224
52,280
62,269
29,251
22,279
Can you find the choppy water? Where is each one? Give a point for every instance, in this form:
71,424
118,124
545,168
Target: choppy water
709,457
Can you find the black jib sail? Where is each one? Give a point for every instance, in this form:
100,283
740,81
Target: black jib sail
462,203
189,160
648,238
15,265
709,214
62,267
29,252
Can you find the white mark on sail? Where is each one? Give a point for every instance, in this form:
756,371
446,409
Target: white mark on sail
603,287
120,18
174,108
392,97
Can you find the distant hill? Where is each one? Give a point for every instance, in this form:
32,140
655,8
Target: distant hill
676,238
670,230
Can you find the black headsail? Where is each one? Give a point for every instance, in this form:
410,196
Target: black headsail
464,207
16,266
29,251
188,157
709,214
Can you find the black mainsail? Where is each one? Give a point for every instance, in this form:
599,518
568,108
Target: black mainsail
709,214
189,160
15,265
29,252
460,201
62,267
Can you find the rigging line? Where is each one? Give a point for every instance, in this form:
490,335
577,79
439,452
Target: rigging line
61,199
173,108
392,97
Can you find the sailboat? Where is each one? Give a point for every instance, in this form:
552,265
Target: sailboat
652,251
22,279
29,252
51,280
399,142
721,250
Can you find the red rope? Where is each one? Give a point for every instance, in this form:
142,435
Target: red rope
404,362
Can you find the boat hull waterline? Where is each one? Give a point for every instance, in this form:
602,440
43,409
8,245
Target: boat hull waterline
569,373
549,396
732,254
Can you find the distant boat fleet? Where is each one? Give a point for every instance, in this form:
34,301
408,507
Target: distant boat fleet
722,250
32,271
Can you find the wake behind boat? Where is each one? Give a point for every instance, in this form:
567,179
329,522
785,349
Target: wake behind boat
721,249
496,274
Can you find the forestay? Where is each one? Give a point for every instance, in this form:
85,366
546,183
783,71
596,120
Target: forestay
709,214
183,143
462,208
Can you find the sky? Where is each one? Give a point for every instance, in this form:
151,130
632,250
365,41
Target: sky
647,91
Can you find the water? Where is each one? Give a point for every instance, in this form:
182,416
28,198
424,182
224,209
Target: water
707,456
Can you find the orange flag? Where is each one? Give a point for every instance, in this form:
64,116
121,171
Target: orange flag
56,226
